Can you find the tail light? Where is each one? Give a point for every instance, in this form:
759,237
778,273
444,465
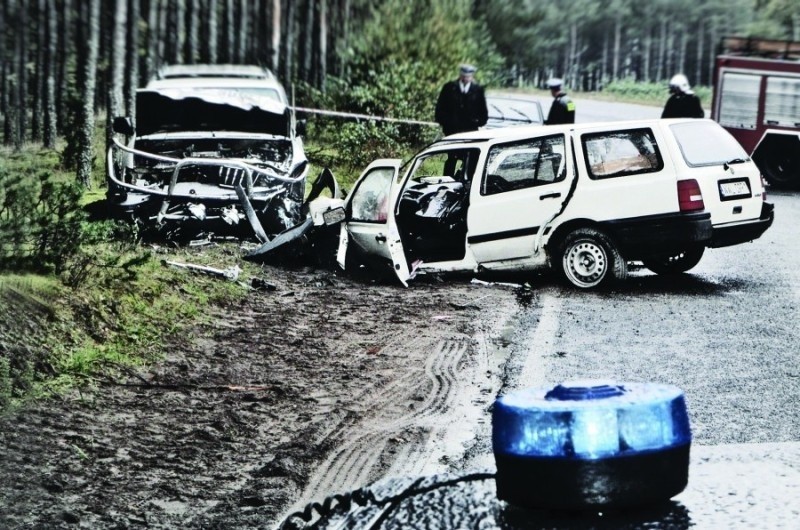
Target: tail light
690,198
763,188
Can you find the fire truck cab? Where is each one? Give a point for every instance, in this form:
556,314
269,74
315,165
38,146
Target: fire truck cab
757,99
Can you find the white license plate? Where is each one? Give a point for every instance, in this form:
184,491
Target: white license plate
734,189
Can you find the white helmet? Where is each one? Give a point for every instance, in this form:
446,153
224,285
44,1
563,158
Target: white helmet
680,83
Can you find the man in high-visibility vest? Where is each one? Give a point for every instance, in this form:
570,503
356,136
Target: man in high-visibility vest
563,108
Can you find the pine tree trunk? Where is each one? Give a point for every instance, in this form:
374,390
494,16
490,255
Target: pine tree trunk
151,64
11,126
256,45
180,31
118,40
662,43
66,50
713,39
345,35
213,38
243,34
700,43
132,58
22,76
162,31
322,54
307,44
617,46
288,44
228,39
37,112
50,112
670,56
3,66
88,67
192,34
277,24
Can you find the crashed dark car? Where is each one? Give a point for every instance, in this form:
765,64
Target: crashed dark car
214,162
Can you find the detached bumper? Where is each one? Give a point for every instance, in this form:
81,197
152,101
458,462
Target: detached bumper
725,236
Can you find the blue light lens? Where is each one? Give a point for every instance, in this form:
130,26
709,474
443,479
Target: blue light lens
590,420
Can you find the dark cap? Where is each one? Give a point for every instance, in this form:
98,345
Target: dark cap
467,69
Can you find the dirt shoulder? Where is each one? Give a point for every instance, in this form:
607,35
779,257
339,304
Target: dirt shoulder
231,428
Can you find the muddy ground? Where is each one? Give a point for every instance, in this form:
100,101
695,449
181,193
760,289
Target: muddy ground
235,425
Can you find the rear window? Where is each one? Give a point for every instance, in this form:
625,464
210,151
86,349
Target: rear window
621,153
704,143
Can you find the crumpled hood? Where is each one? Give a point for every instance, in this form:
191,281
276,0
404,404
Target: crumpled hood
179,109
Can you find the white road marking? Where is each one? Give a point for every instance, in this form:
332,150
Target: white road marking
541,342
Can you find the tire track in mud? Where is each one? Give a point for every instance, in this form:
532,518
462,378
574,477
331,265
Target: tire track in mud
360,450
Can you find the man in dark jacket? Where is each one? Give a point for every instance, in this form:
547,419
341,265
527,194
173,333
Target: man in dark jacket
461,105
563,108
683,102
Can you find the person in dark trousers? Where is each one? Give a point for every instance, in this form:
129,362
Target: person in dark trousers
682,102
461,105
563,108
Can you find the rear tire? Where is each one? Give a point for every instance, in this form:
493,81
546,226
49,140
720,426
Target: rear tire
677,263
782,170
589,259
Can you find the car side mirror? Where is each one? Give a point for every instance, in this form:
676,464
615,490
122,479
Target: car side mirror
334,216
300,128
123,125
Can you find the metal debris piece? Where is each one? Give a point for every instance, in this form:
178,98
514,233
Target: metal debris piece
231,273
283,238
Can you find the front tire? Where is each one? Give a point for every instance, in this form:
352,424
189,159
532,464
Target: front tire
677,263
589,258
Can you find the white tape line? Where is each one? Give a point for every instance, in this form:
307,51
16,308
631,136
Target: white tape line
363,116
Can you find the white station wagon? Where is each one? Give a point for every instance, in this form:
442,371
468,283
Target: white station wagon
585,199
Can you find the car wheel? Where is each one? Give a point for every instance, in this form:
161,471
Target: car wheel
676,263
782,170
589,258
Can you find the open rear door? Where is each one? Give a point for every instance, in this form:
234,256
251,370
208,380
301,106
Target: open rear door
370,223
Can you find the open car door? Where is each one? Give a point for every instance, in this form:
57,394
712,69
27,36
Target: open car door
369,223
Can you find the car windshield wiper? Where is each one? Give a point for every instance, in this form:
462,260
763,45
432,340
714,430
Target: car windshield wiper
727,165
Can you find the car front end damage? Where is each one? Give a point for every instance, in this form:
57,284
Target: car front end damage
216,165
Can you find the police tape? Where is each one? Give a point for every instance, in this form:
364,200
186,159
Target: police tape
363,116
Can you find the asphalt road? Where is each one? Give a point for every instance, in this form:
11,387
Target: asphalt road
727,333
591,110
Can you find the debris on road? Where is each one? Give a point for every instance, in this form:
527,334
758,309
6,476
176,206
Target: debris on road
231,273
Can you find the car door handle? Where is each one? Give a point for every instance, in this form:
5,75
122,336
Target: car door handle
553,195
380,238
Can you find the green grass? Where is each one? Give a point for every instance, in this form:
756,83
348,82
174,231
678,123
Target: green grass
114,305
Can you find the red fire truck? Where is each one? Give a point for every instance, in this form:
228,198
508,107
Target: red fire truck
757,99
